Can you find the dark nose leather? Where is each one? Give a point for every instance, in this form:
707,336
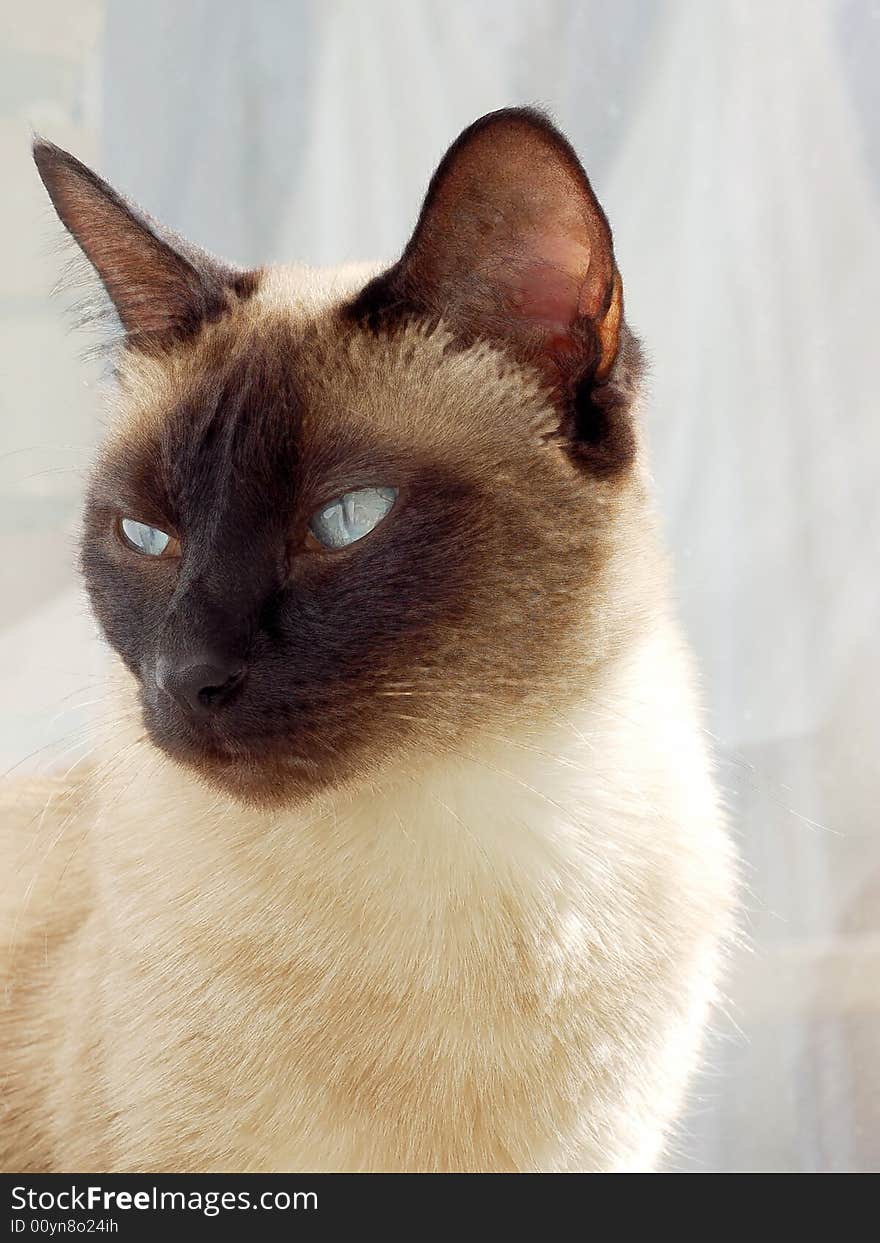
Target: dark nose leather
200,684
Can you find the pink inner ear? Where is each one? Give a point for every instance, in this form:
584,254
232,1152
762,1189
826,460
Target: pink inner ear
548,284
513,247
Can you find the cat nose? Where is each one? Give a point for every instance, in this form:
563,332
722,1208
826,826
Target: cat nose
200,684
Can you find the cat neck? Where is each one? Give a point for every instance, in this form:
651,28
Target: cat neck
521,822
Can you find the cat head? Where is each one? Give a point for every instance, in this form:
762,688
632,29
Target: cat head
347,521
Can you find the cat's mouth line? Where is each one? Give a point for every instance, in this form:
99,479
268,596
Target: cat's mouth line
235,754
210,744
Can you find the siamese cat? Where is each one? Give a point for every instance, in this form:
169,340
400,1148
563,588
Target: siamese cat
403,852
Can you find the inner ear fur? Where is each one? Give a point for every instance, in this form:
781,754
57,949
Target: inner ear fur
160,285
513,247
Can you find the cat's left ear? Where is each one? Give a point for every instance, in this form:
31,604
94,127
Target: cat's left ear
512,246
161,286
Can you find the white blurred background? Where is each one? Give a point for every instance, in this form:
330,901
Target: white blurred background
736,148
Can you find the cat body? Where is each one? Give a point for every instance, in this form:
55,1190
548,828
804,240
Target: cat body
440,882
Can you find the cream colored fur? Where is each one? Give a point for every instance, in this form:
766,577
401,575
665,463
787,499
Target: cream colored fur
499,957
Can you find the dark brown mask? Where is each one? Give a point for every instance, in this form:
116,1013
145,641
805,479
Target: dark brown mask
484,382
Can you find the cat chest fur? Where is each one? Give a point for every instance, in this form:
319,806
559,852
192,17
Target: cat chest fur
450,992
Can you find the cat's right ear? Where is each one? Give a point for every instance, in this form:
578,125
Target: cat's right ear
512,248
161,286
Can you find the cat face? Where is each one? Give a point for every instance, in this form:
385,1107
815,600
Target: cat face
343,525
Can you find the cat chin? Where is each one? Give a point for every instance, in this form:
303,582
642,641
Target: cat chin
253,776
254,780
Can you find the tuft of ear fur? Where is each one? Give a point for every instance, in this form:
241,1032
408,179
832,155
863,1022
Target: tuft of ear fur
512,244
512,247
161,286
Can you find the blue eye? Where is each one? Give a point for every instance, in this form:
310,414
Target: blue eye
352,516
149,540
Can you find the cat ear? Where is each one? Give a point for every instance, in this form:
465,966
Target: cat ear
512,245
159,284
